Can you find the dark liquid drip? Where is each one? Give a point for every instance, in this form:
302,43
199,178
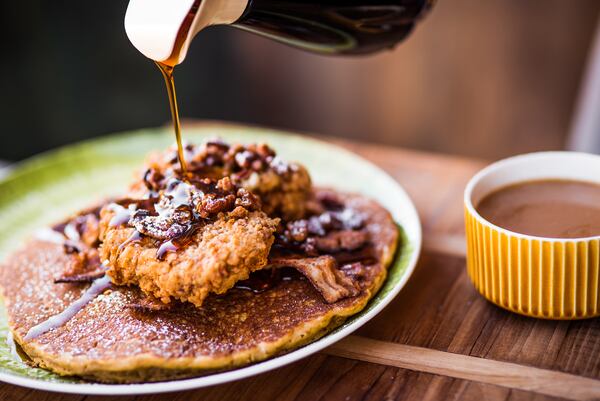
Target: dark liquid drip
167,72
176,243
166,68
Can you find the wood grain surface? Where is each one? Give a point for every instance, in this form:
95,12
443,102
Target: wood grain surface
439,339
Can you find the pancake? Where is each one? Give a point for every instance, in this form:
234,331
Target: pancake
114,338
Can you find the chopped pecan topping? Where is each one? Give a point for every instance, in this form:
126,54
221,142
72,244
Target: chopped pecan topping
153,179
324,223
158,227
328,232
175,212
237,160
82,229
213,204
329,200
354,270
216,158
247,200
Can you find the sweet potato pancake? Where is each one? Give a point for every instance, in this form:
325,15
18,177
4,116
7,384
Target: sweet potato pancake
192,275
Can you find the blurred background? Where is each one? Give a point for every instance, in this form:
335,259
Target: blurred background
478,78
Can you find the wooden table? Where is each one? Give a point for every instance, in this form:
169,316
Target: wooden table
439,339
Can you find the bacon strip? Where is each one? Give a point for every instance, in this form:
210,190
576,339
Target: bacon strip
322,272
83,267
344,240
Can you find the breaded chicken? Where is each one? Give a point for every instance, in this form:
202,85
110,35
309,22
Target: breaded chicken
281,195
183,237
217,255
283,187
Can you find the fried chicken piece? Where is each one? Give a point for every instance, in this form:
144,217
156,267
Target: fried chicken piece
219,253
284,187
281,195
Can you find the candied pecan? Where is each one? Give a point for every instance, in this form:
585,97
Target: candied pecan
157,227
213,204
183,215
297,230
225,185
244,159
153,179
217,145
345,240
356,270
330,200
84,266
247,200
265,151
83,228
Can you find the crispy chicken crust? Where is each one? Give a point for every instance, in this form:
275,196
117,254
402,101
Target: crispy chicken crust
283,187
282,195
220,253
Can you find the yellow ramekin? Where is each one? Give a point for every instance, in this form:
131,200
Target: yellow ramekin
534,276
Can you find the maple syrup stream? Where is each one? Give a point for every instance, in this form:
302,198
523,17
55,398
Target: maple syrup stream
166,67
167,72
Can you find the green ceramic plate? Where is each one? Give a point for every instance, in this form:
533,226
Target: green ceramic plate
48,187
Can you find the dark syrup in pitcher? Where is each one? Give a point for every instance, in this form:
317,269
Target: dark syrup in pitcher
331,27
334,26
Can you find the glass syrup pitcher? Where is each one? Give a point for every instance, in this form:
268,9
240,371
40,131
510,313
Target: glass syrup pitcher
163,29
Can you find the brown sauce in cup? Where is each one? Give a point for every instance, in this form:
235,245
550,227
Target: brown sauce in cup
545,208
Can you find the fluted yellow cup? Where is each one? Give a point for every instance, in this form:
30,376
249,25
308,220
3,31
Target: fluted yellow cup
534,276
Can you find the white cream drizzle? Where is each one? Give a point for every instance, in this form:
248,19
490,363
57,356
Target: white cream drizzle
98,287
122,215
